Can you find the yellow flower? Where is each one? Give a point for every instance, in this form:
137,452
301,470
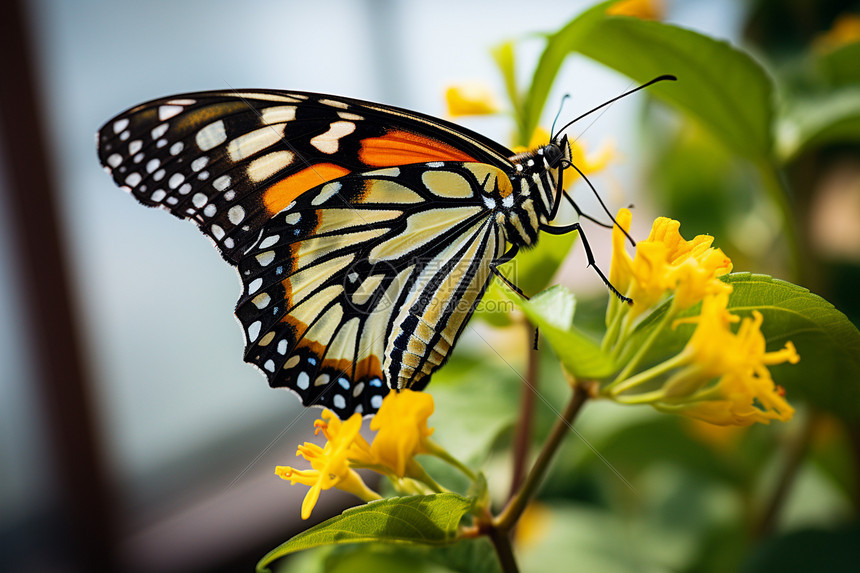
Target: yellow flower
470,99
644,9
744,391
402,432
665,263
330,464
845,30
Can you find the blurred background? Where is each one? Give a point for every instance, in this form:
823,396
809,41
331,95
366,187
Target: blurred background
132,435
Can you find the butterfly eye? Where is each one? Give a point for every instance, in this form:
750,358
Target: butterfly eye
553,154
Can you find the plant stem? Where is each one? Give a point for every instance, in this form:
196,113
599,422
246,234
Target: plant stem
797,449
776,187
504,549
645,347
523,431
517,504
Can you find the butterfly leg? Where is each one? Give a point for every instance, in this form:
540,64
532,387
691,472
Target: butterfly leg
512,252
493,268
588,254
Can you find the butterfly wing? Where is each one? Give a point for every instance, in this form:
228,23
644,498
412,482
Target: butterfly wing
230,161
357,228
367,278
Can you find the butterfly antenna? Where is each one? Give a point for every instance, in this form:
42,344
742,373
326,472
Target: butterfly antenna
558,113
665,77
599,200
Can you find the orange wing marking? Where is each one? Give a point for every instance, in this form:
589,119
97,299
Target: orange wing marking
402,148
285,191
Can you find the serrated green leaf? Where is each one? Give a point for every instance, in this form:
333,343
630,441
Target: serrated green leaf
719,85
421,519
833,117
552,313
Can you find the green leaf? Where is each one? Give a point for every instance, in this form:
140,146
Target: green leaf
828,374
420,519
719,85
552,312
505,59
833,117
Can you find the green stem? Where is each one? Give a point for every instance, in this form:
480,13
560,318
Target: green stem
643,349
777,189
611,335
517,504
523,431
621,384
796,452
501,541
438,451
417,472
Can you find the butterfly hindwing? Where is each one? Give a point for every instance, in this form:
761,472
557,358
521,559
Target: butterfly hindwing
366,278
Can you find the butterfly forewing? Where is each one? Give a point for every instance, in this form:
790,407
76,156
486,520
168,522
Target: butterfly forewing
230,161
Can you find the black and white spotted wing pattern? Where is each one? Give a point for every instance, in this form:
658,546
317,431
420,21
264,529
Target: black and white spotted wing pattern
364,234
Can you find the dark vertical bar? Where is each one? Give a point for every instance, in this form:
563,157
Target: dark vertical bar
42,272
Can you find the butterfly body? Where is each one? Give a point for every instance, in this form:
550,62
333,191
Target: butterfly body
364,235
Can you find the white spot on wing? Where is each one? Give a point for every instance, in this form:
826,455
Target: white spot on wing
255,285
328,142
236,214
211,136
254,331
326,192
158,131
114,160
199,163
339,402
120,124
333,103
133,179
221,183
266,258
279,114
167,111
135,146
303,381
269,164
177,148
252,143
269,241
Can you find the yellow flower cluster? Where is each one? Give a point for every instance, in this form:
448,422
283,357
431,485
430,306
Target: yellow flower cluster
402,433
721,375
666,264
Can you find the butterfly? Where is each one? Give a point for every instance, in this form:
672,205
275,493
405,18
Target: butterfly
364,234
